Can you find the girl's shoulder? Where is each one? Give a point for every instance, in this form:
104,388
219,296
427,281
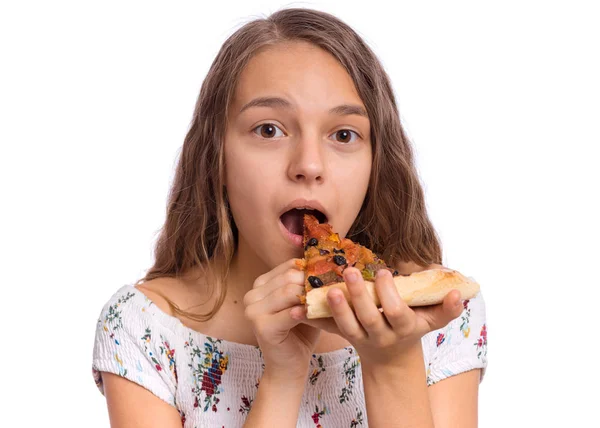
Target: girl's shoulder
136,341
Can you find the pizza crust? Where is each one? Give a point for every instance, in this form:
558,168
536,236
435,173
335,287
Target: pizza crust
423,288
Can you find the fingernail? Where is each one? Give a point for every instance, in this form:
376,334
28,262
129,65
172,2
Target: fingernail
380,273
458,303
298,314
336,298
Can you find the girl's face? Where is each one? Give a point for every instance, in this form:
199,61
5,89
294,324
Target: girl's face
312,143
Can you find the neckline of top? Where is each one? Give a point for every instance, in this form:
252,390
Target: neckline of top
237,349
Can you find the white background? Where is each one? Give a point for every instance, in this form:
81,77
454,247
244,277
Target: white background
502,104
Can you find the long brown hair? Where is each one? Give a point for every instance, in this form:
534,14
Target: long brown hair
199,231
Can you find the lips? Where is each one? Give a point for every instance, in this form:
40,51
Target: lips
292,218
319,210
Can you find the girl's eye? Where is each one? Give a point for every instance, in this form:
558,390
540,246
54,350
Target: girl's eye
267,130
345,135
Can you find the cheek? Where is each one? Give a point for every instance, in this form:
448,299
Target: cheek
249,189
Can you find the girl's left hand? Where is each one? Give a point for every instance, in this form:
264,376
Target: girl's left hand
383,338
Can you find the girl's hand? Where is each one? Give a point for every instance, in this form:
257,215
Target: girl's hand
270,307
383,338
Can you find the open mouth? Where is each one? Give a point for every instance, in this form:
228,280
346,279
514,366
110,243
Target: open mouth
293,220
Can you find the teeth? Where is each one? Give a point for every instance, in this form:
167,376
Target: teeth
304,208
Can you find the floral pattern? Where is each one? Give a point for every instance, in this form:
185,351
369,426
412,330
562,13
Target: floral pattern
208,367
464,327
246,405
318,362
316,416
358,420
440,339
349,372
113,317
212,382
481,343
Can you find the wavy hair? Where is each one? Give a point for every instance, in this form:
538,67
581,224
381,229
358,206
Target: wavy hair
199,231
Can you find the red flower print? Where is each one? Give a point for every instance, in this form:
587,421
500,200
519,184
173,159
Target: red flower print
440,339
245,406
315,418
207,376
480,342
158,367
466,304
207,384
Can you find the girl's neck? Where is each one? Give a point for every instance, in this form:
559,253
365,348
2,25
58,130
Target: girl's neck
245,267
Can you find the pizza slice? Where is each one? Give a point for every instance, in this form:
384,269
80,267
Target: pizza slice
326,256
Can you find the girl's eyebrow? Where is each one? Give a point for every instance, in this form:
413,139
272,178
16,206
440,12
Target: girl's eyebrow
278,102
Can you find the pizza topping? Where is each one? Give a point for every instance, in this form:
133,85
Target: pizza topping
329,277
368,274
315,282
312,242
339,260
327,255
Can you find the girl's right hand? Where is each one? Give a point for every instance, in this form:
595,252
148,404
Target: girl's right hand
286,345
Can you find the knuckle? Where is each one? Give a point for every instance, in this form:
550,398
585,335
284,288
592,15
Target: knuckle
291,276
248,298
290,290
384,341
409,326
259,282
354,335
394,312
371,321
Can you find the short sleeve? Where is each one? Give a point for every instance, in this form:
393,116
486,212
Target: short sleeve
460,346
129,344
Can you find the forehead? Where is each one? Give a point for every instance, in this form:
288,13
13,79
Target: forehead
304,73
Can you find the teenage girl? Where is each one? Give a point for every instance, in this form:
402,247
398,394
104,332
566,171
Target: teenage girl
296,113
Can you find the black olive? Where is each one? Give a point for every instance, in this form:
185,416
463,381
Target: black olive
323,252
336,251
315,282
312,242
339,260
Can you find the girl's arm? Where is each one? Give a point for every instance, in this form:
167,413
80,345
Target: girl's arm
132,406
397,396
277,401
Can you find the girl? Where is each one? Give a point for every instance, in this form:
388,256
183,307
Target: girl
295,114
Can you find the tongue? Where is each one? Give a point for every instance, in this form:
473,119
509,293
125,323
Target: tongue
293,220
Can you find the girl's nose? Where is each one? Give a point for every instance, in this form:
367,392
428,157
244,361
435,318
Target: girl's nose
307,162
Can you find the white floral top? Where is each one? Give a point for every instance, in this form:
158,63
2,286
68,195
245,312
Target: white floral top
213,382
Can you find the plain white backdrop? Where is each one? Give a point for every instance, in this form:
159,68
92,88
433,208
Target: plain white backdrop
501,102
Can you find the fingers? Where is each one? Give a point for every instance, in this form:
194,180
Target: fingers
275,291
275,328
367,313
344,317
282,297
400,317
434,317
289,276
265,278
